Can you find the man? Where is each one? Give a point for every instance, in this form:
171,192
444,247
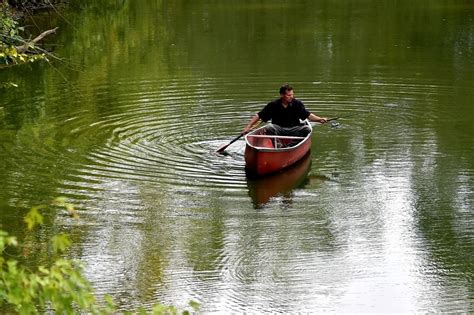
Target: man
285,114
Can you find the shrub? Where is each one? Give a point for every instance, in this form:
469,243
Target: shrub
60,287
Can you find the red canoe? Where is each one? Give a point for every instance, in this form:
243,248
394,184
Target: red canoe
266,154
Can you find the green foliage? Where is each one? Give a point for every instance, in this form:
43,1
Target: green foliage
34,217
61,287
9,27
10,55
10,37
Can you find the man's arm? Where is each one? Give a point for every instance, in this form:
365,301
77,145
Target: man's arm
313,117
252,122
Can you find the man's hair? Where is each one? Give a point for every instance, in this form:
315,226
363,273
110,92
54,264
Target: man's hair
285,88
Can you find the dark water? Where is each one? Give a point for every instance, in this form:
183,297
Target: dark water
379,218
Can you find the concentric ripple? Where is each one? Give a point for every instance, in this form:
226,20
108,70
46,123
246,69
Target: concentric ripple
168,131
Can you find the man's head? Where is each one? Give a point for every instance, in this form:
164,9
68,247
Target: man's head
286,93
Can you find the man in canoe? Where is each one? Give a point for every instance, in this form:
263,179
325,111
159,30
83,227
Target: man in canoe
285,114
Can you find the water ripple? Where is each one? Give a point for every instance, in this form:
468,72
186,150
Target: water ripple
167,131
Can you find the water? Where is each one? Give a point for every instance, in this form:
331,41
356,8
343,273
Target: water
377,219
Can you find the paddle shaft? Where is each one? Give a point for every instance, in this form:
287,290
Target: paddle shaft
221,149
235,139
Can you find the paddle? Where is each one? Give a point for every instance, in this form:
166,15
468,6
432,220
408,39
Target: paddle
222,149
333,121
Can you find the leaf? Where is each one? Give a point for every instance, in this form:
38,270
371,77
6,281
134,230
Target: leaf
195,305
34,217
12,241
59,201
110,302
43,270
62,202
61,243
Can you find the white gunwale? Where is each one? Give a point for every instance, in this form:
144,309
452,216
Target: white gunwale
265,149
276,137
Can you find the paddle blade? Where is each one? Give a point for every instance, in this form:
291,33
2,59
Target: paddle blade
221,149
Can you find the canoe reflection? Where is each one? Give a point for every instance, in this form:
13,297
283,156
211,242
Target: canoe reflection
261,190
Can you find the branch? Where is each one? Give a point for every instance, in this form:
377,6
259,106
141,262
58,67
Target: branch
27,45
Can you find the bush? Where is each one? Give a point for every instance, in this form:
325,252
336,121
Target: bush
61,287
11,40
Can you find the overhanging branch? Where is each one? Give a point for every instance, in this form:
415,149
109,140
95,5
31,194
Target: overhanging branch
23,48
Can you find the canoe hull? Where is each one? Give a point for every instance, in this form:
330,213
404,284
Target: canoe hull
262,158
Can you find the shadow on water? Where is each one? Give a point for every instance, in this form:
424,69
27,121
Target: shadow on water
261,190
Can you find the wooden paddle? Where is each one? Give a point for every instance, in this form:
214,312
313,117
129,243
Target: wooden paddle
222,149
333,121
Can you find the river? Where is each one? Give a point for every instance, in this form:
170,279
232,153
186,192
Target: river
379,218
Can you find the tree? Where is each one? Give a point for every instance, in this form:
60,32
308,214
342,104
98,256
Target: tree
14,49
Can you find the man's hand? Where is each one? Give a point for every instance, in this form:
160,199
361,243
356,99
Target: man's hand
250,124
313,117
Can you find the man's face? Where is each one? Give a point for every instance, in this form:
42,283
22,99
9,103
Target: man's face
288,96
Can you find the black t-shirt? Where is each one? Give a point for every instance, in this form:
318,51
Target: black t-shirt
284,117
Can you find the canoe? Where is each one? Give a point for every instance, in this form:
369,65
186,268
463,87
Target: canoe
267,154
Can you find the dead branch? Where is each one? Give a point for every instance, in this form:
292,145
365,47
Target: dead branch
27,45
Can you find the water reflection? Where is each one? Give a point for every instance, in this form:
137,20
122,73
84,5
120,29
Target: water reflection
261,190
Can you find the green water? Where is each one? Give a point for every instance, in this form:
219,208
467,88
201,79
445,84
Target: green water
378,219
